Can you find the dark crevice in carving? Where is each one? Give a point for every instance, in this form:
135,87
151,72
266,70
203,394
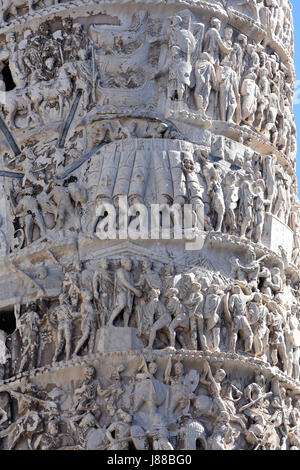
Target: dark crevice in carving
7,78
7,322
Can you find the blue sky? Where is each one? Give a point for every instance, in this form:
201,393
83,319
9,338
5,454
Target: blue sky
296,13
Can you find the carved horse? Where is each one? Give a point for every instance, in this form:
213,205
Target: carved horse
58,90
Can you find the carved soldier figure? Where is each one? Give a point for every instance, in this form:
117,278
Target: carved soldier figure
194,303
218,203
246,209
240,323
211,316
222,436
250,95
88,392
213,44
229,96
4,357
64,208
238,55
71,284
28,325
294,340
260,204
103,289
152,310
277,340
231,197
28,209
124,292
206,81
259,319
121,430
179,318
89,323
62,320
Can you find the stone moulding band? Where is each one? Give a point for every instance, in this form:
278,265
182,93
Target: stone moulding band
181,355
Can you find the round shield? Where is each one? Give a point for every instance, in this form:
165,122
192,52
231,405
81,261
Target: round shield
95,439
191,380
138,438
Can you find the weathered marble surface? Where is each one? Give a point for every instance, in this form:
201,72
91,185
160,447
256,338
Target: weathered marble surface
116,333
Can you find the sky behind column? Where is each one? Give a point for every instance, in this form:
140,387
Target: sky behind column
296,14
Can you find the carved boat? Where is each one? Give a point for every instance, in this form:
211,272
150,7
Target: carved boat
121,63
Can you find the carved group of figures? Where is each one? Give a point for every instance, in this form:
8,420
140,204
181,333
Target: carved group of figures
255,313
229,78
47,69
273,15
152,407
232,198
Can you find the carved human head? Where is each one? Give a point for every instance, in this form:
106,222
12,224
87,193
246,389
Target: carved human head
260,186
215,23
236,290
188,278
188,161
89,372
146,264
126,263
250,48
168,270
213,289
152,368
171,293
257,298
275,271
178,368
103,263
251,256
228,32
220,375
196,287
242,39
153,294
86,295
259,380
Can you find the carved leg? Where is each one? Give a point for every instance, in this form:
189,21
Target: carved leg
85,336
216,338
60,344
24,363
233,341
91,343
116,311
161,323
127,313
68,338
